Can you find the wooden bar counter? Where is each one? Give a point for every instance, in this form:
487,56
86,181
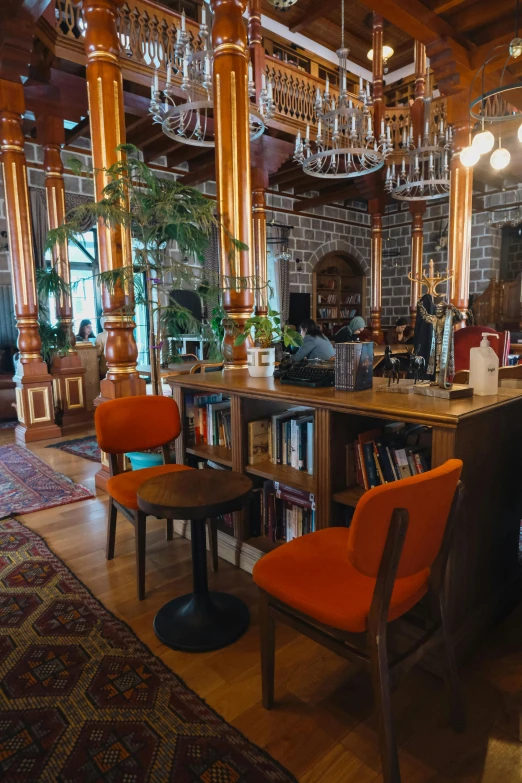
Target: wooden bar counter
485,432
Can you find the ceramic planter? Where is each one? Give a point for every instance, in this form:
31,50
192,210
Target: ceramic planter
261,362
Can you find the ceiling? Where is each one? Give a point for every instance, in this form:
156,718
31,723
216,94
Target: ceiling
320,20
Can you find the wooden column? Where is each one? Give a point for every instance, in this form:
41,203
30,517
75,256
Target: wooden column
234,190
67,371
107,119
378,73
417,208
376,209
34,399
255,43
259,185
460,205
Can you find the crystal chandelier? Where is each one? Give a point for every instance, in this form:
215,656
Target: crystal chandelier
346,143
192,122
423,174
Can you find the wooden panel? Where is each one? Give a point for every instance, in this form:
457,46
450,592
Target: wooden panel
442,447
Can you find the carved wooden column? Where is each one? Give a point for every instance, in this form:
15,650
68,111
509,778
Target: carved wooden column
67,371
259,185
234,190
107,119
378,73
34,399
417,208
255,43
460,206
376,209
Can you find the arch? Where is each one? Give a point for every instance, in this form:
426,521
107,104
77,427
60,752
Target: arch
340,246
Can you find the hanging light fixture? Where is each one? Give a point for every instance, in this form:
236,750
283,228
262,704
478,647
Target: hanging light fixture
346,142
387,52
423,174
192,122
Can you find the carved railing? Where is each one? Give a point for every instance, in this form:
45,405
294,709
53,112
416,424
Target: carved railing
399,119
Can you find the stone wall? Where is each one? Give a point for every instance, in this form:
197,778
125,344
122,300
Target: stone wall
514,253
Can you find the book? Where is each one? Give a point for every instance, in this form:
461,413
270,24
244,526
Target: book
369,463
354,366
258,439
380,472
401,460
362,439
310,447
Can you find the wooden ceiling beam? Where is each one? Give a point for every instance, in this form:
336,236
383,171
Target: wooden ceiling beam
307,18
443,6
205,173
476,16
331,197
83,128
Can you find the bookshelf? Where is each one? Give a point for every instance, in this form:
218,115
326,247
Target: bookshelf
485,565
338,292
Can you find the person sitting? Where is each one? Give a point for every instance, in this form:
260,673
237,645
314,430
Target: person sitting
315,344
85,331
400,333
351,332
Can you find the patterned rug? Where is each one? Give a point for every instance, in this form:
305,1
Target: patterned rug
8,425
28,484
82,700
81,447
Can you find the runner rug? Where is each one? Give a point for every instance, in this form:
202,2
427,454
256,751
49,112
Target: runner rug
82,700
28,484
81,447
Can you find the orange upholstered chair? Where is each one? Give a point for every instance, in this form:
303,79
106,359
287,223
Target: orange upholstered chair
470,337
138,424
341,587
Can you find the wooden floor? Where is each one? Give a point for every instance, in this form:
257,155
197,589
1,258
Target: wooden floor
322,728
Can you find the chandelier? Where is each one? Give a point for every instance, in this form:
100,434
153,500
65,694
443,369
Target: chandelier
192,121
282,5
423,173
346,143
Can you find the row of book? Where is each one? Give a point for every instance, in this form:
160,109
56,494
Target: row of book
284,439
345,313
285,512
208,420
327,312
328,299
370,461
351,299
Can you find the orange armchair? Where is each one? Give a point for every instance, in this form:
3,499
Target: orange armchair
341,587
470,337
137,424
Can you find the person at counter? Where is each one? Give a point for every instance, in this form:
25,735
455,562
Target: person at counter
315,344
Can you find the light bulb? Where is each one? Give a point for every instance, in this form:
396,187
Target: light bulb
520,133
500,158
483,142
469,156
515,47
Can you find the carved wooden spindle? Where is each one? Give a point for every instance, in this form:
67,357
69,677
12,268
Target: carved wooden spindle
417,208
67,371
460,206
376,209
107,119
34,399
378,72
234,190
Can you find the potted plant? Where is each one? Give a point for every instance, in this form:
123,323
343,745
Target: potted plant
265,330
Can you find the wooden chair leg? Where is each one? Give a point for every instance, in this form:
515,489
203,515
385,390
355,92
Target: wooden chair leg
267,637
140,530
213,542
170,529
457,710
381,692
111,529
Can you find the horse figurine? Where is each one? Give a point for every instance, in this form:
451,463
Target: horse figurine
417,367
392,366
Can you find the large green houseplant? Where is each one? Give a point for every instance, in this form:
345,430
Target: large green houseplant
265,330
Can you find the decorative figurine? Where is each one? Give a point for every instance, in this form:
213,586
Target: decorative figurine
392,366
417,368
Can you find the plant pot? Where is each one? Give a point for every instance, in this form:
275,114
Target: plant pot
261,362
141,459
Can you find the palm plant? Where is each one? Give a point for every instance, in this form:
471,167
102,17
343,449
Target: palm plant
163,216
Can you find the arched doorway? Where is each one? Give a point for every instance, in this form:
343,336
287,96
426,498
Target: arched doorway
338,291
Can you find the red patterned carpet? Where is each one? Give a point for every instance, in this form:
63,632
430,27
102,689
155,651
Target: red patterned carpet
82,700
27,484
86,447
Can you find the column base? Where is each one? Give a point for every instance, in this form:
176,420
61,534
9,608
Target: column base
68,374
34,404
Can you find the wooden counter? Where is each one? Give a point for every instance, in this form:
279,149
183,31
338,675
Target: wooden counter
485,432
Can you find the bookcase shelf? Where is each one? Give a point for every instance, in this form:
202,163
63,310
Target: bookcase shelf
335,278
349,496
216,453
299,479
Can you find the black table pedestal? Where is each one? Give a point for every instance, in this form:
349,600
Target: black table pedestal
201,621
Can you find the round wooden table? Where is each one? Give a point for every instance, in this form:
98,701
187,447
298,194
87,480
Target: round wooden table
202,620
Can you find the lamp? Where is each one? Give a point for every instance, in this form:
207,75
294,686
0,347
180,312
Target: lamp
387,52
500,158
470,155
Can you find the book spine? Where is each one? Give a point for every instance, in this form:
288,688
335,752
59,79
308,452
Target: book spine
270,445
366,483
393,464
358,466
418,463
293,444
310,448
373,479
380,473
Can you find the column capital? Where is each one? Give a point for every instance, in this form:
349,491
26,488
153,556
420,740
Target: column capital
101,38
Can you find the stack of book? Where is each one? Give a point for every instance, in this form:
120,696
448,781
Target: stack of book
370,461
286,512
353,366
327,312
285,439
208,420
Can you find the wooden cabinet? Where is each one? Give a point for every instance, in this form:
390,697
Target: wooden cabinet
485,432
